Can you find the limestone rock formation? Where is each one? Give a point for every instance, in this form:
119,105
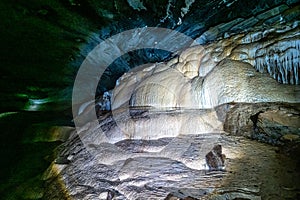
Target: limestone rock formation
167,136
239,78
215,159
229,70
267,122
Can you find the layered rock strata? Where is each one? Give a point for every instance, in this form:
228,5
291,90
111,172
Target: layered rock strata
169,121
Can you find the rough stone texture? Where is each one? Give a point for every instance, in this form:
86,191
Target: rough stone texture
215,159
279,125
157,142
221,72
58,35
267,122
44,43
253,171
40,133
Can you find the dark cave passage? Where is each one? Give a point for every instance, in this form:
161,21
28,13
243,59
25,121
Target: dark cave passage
238,85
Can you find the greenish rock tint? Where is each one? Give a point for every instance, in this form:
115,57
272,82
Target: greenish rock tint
23,157
43,43
38,39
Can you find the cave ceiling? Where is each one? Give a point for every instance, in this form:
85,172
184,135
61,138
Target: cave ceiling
44,42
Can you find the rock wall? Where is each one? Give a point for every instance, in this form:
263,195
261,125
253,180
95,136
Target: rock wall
268,122
168,120
235,69
45,42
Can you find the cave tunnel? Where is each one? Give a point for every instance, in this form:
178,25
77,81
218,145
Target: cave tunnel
139,99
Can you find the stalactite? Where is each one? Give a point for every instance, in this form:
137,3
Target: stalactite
281,61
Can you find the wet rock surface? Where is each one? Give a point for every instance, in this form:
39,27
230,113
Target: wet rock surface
215,159
184,129
44,44
253,170
233,69
273,123
58,35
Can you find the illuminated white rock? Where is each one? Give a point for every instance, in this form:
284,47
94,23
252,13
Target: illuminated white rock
207,76
234,81
164,122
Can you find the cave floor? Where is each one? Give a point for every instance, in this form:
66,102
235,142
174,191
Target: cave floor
253,170
268,170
